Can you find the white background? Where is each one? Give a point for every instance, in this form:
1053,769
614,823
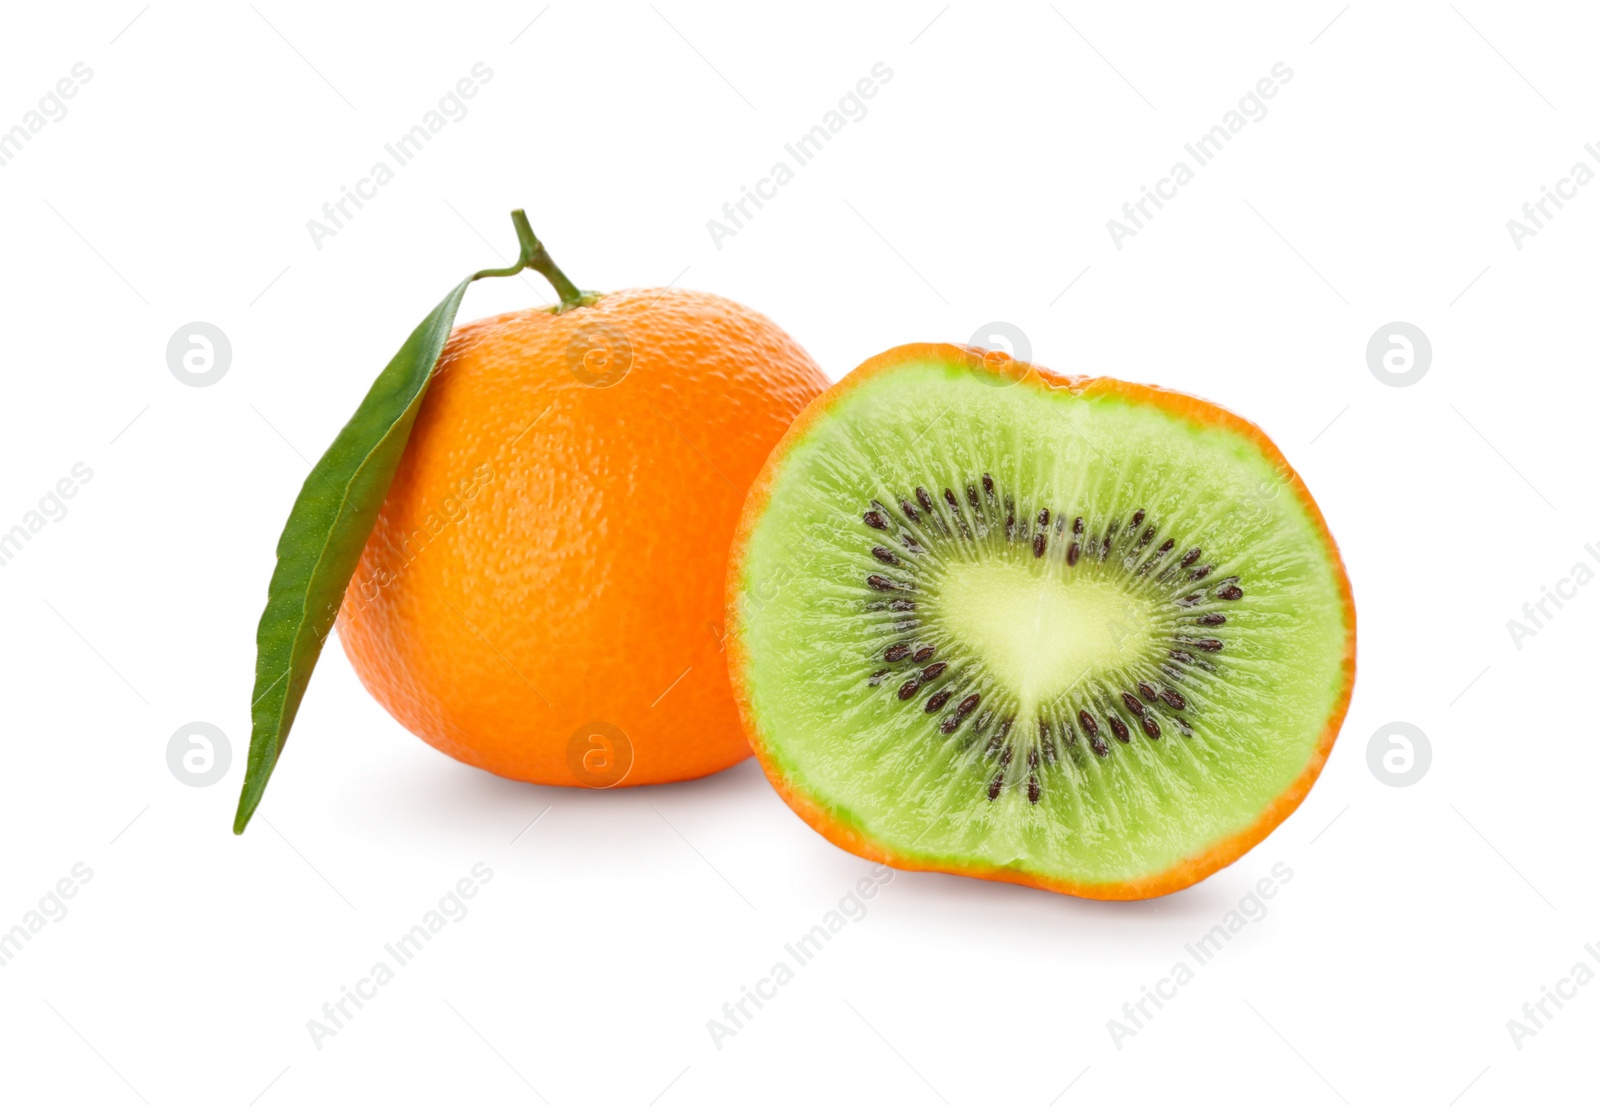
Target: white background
177,188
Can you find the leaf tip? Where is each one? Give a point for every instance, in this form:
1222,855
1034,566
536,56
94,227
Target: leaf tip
248,801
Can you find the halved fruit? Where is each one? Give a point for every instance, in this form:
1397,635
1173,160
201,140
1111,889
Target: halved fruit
1073,633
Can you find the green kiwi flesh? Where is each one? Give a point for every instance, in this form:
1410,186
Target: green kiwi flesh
1071,634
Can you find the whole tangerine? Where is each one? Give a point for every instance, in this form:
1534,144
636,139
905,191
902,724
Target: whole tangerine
542,595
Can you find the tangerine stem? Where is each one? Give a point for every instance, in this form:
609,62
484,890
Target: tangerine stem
533,256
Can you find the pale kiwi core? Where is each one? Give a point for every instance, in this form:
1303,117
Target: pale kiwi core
1044,634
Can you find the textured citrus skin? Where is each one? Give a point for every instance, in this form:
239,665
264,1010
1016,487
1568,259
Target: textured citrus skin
1029,376
552,551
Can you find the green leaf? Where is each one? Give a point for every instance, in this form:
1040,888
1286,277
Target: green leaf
333,516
